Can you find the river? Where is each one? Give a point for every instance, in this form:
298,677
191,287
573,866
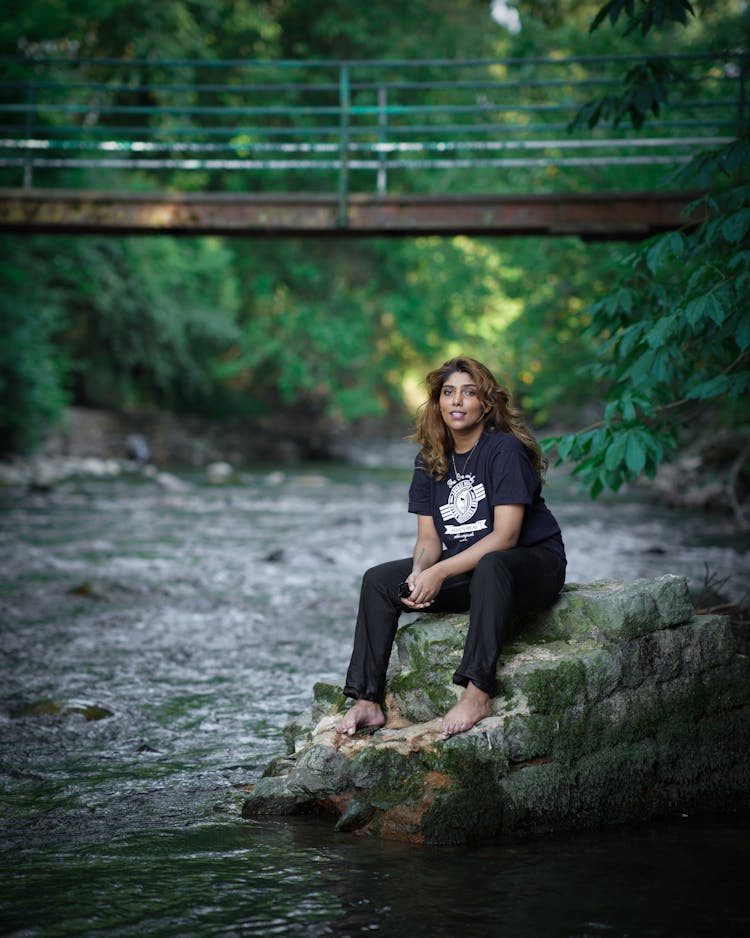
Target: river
156,638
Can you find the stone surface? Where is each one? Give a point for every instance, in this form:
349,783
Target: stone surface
617,704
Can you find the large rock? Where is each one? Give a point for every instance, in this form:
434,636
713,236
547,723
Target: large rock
618,704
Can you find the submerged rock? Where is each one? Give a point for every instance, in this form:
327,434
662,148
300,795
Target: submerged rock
618,704
53,708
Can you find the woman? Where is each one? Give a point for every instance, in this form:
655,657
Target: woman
486,542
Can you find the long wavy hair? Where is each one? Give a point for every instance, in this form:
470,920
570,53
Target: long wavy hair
435,439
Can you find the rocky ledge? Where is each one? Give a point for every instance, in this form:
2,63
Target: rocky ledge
619,704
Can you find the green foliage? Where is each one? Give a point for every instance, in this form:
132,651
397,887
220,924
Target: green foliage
343,323
147,318
646,89
31,369
389,29
645,14
540,351
676,339
675,332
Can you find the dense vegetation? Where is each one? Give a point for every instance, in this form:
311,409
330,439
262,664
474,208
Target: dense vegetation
224,327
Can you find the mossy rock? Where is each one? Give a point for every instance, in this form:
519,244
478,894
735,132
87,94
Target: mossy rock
616,705
432,644
419,697
327,699
53,708
612,612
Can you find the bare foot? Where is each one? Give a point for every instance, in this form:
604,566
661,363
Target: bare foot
473,706
363,714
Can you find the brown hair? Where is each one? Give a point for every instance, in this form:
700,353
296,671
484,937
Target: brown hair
435,439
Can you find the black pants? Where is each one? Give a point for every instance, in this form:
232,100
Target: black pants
503,583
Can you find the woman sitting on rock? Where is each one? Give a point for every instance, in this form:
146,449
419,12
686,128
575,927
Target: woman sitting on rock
486,543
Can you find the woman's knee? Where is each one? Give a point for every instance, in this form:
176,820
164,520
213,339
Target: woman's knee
494,564
385,575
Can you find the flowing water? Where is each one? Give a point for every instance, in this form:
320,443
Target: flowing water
156,638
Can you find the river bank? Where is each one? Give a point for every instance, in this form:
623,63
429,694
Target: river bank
709,475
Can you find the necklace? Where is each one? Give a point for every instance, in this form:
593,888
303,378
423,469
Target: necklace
462,475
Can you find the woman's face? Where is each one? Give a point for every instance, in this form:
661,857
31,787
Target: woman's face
460,406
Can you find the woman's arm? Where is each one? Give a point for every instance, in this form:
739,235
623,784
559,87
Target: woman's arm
426,581
428,547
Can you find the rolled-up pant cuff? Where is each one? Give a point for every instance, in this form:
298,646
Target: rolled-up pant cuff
361,695
488,686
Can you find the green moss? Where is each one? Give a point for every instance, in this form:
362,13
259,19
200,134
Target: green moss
432,642
615,612
716,640
280,766
529,736
552,686
572,737
291,733
327,698
465,758
684,699
603,672
728,687
471,809
539,797
631,716
464,815
387,778
422,697
617,784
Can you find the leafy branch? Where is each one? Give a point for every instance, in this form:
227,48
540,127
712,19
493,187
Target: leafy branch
653,13
675,332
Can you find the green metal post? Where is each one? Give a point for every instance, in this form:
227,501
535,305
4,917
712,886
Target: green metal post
344,103
382,138
28,167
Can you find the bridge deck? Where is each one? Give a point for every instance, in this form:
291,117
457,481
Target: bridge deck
609,215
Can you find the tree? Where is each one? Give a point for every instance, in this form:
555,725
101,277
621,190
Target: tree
32,370
675,332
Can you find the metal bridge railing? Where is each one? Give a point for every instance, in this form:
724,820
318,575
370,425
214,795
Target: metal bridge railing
347,126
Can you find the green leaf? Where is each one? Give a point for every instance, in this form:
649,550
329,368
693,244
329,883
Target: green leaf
711,388
611,411
596,488
611,9
735,157
655,255
696,310
740,385
635,455
709,306
629,338
628,409
616,451
716,309
741,260
663,368
736,225
565,445
742,333
662,330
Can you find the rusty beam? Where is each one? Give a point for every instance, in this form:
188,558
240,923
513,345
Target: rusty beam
593,216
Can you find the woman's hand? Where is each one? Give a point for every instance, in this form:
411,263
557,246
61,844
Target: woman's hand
425,586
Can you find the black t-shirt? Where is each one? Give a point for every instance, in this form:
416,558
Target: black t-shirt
498,472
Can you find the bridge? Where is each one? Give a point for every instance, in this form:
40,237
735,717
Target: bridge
352,148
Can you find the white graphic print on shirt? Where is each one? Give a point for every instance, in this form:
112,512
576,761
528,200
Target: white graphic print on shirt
462,506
